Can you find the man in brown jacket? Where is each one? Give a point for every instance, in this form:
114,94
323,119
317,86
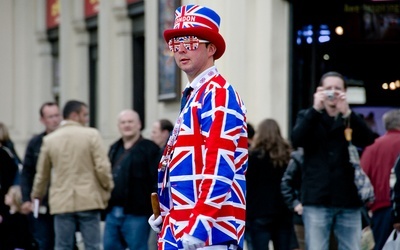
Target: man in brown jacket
75,162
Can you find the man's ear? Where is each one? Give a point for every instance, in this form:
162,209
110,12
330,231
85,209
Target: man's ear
211,49
74,116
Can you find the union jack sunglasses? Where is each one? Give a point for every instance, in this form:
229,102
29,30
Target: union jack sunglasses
189,42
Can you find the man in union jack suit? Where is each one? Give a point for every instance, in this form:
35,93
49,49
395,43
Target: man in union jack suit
202,184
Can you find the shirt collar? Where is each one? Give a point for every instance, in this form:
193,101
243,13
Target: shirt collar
203,77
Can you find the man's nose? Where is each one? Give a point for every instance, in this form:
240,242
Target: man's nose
181,47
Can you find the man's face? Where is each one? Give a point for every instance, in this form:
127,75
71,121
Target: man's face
51,117
333,86
156,134
83,116
191,59
129,124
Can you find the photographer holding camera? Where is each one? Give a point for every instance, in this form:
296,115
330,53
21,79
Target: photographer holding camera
328,193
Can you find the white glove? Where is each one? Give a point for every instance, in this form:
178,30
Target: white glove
155,223
191,243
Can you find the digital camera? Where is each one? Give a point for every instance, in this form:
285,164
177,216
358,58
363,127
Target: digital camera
330,94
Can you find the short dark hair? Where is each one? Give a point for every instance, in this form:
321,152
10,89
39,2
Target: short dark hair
166,125
250,131
72,107
45,105
335,74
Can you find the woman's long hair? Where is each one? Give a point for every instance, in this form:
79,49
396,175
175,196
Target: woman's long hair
268,140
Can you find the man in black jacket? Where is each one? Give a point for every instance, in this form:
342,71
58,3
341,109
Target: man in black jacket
42,227
328,193
134,162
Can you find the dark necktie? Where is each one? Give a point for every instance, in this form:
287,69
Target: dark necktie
185,95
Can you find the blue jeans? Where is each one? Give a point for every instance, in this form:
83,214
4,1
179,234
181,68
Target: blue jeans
345,223
125,230
89,226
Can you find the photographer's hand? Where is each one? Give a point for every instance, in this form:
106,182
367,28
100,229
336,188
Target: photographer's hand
319,98
342,104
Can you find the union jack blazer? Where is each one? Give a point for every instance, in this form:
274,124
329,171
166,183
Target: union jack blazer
202,183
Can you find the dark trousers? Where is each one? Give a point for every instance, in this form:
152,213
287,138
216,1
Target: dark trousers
382,226
263,230
43,231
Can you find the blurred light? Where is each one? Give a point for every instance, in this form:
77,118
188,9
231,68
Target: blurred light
298,41
324,33
392,86
326,57
397,83
324,30
324,39
339,30
308,34
385,86
356,95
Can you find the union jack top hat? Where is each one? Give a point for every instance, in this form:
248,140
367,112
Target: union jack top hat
200,21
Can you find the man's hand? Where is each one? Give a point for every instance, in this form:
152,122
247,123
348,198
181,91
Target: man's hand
26,207
191,243
319,98
342,104
299,209
155,223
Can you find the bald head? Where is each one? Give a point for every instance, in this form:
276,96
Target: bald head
128,113
129,124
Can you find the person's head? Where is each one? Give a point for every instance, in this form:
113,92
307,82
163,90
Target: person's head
391,120
76,111
13,198
4,135
195,39
268,139
250,133
333,83
50,116
129,124
160,131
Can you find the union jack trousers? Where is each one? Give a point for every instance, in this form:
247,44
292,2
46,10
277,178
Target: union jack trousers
201,183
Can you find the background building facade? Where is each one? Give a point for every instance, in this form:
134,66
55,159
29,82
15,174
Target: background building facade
109,53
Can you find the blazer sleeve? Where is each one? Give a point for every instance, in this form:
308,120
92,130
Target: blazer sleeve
102,163
43,172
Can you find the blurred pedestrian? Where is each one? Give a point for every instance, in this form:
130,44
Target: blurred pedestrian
377,161
8,171
161,131
134,162
5,141
328,193
17,234
74,161
42,227
268,217
250,133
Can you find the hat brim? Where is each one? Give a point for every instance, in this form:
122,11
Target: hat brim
202,33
